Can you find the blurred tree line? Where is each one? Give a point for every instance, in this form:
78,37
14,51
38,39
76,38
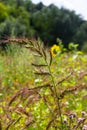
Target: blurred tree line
24,18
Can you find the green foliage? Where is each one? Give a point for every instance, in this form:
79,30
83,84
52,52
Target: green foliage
81,34
84,47
3,12
12,49
38,20
40,90
72,46
6,28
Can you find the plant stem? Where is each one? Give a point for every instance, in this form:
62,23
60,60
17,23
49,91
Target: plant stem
56,94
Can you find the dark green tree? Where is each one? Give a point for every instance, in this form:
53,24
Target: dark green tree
81,34
52,23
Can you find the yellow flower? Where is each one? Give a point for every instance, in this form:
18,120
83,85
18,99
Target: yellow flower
55,50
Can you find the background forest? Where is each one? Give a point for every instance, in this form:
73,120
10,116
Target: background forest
22,18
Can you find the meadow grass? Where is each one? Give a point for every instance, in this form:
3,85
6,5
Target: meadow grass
42,91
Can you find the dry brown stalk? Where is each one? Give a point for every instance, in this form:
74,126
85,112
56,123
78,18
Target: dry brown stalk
16,121
79,123
47,104
51,58
39,65
34,49
32,100
68,76
9,124
0,126
72,89
44,54
51,121
22,92
82,74
18,40
28,124
13,98
42,73
42,86
22,110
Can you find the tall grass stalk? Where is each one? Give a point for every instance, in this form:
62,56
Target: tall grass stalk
56,95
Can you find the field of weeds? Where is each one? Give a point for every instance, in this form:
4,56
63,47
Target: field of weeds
42,89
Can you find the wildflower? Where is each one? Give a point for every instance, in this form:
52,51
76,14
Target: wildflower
55,50
65,121
83,113
72,115
84,127
80,119
38,80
